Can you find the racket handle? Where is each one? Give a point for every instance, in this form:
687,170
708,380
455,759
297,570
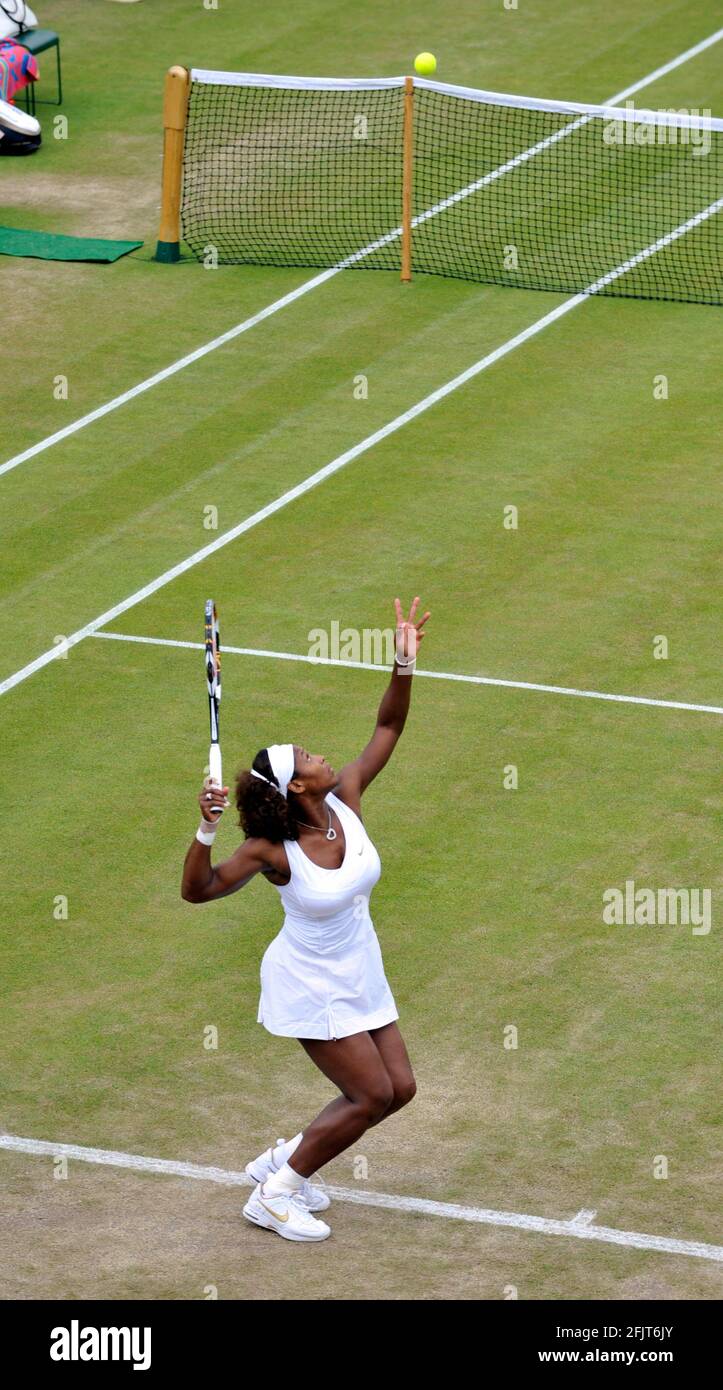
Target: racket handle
214,764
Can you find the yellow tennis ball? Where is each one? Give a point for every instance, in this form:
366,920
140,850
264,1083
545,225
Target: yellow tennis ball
425,64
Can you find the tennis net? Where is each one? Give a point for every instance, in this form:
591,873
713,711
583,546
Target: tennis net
499,189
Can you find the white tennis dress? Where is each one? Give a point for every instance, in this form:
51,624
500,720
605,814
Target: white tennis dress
323,975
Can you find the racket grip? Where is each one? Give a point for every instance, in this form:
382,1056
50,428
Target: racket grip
214,764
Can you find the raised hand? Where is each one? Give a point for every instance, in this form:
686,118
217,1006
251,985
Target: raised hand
408,632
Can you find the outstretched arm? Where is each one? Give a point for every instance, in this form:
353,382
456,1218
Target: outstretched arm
392,716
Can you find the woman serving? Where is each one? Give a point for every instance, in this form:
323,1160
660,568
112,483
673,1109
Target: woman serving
322,977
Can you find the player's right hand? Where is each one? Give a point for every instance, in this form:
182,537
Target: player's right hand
213,796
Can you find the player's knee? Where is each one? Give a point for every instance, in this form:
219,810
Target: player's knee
405,1092
377,1099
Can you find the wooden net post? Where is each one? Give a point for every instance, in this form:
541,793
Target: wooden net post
407,180
175,107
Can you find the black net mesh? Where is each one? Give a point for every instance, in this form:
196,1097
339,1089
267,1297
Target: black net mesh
579,204
293,177
501,194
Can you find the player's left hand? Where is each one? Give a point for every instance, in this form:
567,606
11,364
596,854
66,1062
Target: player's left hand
408,632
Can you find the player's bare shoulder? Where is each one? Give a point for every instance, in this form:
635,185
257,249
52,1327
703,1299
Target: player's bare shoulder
348,788
271,857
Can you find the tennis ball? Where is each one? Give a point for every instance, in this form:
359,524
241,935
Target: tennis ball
425,64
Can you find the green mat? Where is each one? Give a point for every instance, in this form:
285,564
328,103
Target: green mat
49,247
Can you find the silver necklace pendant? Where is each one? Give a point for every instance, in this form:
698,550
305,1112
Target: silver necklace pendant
331,833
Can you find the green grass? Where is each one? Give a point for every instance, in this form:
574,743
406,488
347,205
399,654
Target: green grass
489,909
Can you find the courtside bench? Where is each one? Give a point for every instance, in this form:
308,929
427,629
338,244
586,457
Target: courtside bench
41,41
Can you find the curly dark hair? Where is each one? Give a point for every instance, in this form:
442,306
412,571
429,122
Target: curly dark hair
263,812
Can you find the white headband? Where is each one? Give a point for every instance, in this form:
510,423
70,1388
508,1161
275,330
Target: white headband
281,757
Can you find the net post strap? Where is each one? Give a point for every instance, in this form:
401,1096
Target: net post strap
407,176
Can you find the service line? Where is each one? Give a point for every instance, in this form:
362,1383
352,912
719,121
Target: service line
430,675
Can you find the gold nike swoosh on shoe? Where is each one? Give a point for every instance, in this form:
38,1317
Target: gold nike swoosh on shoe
276,1215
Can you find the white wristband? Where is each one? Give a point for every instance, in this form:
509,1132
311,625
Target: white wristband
206,832
399,653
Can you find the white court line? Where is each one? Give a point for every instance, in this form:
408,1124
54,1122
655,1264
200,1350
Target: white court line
584,1217
347,457
431,675
165,373
581,1230
325,275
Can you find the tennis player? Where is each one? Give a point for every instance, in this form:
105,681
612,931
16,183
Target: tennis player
322,977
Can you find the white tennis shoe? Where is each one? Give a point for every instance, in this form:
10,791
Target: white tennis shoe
314,1198
285,1215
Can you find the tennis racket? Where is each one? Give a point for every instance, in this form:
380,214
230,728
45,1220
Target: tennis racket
213,680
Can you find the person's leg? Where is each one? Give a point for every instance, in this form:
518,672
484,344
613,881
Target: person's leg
356,1067
357,1073
392,1050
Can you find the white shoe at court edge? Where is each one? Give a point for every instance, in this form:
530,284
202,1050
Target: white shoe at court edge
313,1198
285,1215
